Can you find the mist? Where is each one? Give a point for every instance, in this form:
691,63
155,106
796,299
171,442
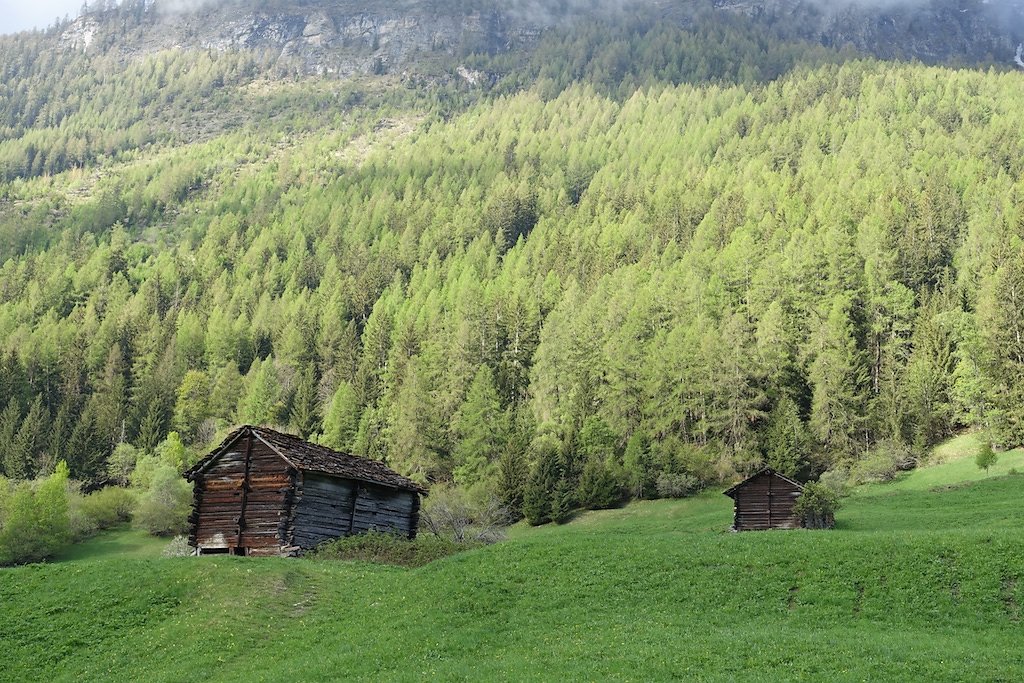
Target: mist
18,15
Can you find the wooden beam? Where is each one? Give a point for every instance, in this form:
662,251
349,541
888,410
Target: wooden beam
352,512
245,490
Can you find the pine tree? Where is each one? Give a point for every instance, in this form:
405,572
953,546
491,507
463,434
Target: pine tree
192,404
562,501
341,423
787,442
10,422
262,404
58,438
838,377
305,413
538,498
481,428
227,388
513,478
86,448
30,442
600,488
153,428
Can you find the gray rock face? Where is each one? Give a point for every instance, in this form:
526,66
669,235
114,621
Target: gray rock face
929,30
324,37
345,37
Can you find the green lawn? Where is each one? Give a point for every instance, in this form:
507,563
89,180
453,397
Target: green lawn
120,543
952,463
921,581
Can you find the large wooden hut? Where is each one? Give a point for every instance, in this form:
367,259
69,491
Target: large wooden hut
765,501
262,492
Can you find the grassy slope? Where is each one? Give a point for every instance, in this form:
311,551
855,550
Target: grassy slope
919,583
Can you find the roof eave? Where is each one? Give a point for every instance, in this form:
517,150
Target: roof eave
413,488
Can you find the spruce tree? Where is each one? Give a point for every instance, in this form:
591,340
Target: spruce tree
481,429
538,498
192,404
341,423
305,412
29,443
787,442
10,422
562,501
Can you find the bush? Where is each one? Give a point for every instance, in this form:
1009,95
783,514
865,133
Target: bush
163,509
383,548
986,457
82,525
838,480
882,463
675,485
36,521
178,547
121,463
817,506
453,514
109,507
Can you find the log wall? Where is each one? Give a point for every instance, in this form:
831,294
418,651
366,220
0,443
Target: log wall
328,508
242,500
766,502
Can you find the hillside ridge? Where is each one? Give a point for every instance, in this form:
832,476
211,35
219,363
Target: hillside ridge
344,38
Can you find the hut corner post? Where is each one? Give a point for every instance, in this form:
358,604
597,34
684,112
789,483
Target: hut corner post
245,494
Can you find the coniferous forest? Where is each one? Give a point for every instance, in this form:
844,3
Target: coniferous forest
636,261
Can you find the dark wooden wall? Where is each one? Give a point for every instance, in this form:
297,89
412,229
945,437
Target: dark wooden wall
327,507
766,502
249,500
242,500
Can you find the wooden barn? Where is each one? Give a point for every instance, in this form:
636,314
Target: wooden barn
765,501
262,492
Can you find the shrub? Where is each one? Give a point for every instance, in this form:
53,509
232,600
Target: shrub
882,463
817,506
383,548
121,463
675,485
453,514
838,480
109,507
36,522
145,467
163,508
82,525
178,547
986,457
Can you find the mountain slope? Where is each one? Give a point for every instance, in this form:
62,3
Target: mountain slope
692,267
395,35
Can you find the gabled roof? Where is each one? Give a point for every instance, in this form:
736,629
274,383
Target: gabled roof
766,470
310,457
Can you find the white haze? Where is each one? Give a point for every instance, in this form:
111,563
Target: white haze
25,15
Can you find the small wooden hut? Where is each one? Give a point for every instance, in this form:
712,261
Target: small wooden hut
765,501
262,492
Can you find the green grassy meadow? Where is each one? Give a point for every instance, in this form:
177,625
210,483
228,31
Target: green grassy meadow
923,580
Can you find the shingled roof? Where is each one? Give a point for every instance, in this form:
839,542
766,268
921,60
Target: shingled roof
766,470
311,457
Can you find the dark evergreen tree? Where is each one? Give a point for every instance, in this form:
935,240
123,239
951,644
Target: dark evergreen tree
305,411
10,422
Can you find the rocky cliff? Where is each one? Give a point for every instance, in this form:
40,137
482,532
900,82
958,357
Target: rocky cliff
344,37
